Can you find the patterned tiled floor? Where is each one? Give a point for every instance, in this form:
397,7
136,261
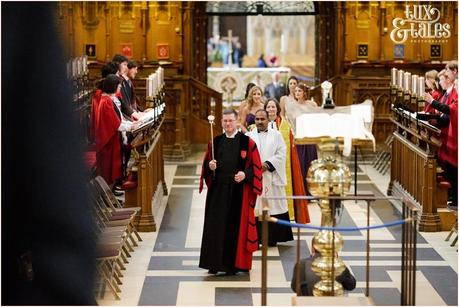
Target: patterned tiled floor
172,276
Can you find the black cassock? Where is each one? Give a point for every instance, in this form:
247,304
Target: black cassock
223,209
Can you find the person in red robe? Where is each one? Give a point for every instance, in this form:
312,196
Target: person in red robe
109,68
448,151
110,125
233,179
433,87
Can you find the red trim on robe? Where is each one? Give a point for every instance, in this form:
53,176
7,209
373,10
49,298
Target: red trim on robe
248,238
108,143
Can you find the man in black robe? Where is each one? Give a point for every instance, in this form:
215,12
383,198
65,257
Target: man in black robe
234,180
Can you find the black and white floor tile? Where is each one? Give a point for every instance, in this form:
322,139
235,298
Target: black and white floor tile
169,274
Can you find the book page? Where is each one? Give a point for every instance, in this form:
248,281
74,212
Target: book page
312,125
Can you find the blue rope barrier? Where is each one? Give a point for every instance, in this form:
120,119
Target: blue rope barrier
290,224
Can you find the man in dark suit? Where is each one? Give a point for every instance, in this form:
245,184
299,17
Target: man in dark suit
308,278
275,89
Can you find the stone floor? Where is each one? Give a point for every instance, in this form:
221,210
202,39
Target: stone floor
164,268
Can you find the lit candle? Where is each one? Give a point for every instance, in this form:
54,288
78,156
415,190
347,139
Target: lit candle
394,76
149,86
85,64
421,86
407,82
414,84
400,78
74,67
159,79
161,74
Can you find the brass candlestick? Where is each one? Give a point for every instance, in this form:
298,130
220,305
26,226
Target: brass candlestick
328,177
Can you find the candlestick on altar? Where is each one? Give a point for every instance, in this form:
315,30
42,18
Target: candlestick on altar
230,47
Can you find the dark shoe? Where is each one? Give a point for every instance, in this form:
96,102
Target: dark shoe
214,272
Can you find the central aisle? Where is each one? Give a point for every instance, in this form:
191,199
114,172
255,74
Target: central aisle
174,278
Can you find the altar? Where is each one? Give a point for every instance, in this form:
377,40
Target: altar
232,81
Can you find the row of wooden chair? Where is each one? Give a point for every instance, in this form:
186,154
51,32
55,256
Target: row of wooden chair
116,235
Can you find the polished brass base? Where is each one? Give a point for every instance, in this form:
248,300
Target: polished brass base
328,177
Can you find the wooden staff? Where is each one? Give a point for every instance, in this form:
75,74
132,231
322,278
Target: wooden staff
211,119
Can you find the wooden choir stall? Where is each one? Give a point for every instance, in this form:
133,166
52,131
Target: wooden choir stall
147,149
414,169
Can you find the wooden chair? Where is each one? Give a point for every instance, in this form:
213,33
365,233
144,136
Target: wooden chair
114,205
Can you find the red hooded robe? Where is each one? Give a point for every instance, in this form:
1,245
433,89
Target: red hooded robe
108,141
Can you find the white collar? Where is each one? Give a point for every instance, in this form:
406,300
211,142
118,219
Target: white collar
232,135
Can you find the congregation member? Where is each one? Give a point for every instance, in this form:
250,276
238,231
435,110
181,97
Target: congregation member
125,93
110,132
276,88
308,278
273,155
233,179
298,208
247,113
131,74
448,151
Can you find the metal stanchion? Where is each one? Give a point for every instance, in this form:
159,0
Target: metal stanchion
298,247
367,271
264,254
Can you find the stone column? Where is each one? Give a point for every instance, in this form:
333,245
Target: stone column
268,40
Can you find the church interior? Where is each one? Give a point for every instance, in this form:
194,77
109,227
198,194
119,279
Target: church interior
85,225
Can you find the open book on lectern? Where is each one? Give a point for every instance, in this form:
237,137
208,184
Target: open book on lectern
147,119
347,122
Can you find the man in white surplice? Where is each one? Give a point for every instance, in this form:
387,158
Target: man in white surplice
272,150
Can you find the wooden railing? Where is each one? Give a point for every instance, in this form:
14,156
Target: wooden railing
204,102
188,103
414,167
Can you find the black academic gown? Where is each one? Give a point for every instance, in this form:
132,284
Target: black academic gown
223,209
